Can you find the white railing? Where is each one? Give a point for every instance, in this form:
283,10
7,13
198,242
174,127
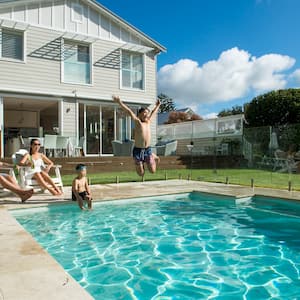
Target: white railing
210,128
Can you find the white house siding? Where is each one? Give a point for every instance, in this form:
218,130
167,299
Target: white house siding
69,116
42,75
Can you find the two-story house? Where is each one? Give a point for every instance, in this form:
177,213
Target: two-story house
60,63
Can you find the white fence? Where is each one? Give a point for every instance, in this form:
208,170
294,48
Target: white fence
211,128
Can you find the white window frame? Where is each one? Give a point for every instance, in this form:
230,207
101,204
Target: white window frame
121,72
23,60
79,7
62,68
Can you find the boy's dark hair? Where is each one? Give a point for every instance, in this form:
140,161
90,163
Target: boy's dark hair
142,109
80,167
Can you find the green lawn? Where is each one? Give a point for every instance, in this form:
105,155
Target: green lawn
261,178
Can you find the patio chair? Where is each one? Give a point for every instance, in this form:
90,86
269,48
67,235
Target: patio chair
62,143
26,182
122,148
50,144
79,149
166,148
280,161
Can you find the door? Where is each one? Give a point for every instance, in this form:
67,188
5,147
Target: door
108,129
93,130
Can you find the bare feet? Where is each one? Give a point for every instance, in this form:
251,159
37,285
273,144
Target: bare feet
55,192
25,195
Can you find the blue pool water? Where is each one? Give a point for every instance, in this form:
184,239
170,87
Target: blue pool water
188,246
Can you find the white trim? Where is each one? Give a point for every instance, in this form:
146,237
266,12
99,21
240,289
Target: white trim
24,36
61,117
72,13
52,14
91,65
121,74
31,97
77,120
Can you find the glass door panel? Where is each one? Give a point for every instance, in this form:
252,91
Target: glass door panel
93,130
108,129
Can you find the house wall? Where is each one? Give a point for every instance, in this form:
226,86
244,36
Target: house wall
43,75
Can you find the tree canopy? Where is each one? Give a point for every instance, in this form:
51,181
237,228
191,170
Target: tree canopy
235,110
275,108
167,103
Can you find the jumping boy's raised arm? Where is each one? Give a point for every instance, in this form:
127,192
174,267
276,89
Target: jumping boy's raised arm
125,107
154,111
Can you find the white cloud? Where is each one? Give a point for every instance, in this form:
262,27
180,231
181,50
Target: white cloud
212,115
233,75
296,76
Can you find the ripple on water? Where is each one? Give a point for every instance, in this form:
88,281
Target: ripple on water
188,249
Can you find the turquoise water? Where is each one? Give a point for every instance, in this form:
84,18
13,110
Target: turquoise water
189,246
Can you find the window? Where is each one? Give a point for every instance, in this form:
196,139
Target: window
12,44
77,67
132,70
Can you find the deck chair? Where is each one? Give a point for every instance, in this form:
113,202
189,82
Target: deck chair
26,182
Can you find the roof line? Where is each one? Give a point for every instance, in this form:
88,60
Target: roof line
98,5
161,47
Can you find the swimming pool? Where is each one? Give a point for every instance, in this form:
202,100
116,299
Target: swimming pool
187,246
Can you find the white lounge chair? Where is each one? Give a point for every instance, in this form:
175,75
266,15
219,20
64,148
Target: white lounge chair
26,182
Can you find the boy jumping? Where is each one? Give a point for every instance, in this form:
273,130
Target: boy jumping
142,151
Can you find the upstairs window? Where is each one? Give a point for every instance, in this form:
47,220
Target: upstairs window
12,44
77,66
132,70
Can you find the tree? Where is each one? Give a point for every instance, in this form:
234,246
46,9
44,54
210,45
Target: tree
179,116
275,108
235,110
167,103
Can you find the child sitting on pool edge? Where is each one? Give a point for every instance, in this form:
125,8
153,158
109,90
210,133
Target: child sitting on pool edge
80,188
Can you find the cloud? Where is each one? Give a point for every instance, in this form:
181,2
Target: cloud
232,76
212,115
295,76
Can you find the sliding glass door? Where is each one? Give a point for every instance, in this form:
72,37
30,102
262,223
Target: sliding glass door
100,125
93,130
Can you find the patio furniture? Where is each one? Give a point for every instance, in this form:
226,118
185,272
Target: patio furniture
79,149
62,145
26,182
223,149
50,144
122,148
166,148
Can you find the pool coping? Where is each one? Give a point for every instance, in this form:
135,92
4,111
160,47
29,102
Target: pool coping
27,271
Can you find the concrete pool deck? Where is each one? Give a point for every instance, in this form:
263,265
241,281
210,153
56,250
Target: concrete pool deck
29,272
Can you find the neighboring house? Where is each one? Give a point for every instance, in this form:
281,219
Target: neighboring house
164,116
61,61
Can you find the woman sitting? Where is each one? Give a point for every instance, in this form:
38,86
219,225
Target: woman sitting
38,170
8,182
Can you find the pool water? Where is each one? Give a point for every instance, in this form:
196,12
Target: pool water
187,246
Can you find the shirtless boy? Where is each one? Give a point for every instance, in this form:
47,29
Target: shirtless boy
142,151
80,188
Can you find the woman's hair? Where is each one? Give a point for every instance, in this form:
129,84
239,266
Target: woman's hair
31,143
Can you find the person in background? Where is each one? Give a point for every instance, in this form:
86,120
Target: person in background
80,188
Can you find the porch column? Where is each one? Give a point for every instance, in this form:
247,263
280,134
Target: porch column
1,127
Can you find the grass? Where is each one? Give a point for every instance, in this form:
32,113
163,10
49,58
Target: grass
261,178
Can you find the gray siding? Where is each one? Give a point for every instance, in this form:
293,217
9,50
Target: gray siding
42,75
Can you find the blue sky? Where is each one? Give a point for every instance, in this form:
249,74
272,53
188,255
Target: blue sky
220,53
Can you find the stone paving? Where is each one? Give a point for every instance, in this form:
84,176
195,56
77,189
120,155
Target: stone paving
28,272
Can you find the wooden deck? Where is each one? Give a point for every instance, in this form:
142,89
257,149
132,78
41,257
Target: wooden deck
119,164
